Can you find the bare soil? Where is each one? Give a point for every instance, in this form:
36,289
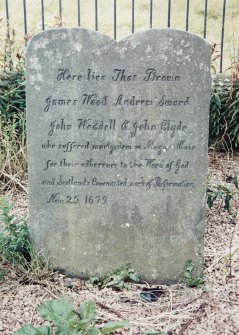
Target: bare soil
213,309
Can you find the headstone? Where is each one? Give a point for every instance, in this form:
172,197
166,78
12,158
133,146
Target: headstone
117,146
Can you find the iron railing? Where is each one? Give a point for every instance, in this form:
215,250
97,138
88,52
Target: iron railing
26,15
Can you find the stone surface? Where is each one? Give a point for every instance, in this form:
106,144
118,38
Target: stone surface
117,145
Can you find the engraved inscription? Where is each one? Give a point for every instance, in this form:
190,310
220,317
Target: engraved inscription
91,144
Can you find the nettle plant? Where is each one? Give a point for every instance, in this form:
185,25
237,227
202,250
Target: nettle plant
68,321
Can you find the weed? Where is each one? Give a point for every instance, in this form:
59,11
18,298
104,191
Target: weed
16,246
225,194
14,235
115,278
224,114
233,107
13,162
2,275
188,278
68,321
11,59
219,192
13,101
12,117
38,268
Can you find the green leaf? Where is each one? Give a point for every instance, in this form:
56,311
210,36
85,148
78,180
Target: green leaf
93,331
235,130
87,312
234,115
117,277
189,266
30,330
210,201
224,188
227,199
92,281
115,325
187,275
60,312
133,276
194,282
232,104
235,181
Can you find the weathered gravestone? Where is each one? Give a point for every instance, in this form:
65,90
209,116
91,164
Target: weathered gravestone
117,145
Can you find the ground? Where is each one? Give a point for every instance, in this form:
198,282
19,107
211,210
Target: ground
212,309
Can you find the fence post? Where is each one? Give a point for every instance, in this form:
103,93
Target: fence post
151,14
7,11
132,16
25,16
187,15
96,15
60,8
169,12
78,12
42,15
205,20
7,17
223,29
115,19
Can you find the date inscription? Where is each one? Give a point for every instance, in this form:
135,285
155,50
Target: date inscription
58,198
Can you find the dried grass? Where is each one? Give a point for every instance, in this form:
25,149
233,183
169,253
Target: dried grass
13,161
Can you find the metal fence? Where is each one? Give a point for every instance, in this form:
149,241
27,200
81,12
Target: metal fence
26,15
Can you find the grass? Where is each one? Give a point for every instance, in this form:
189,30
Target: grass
124,16
16,247
13,164
13,171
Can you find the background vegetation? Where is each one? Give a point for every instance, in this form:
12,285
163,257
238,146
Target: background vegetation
224,114
124,18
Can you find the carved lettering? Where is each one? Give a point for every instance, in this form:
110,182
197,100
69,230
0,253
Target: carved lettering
120,75
152,75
